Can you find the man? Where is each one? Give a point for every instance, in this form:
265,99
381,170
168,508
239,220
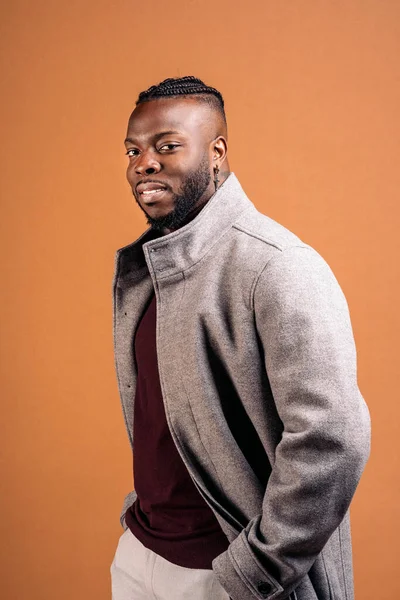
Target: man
236,369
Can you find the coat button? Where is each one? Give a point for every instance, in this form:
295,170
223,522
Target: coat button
264,587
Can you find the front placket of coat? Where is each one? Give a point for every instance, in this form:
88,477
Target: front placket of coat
169,286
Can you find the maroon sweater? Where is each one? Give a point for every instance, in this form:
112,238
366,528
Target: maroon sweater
169,515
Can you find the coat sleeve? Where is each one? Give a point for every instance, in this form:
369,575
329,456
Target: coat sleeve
128,501
303,323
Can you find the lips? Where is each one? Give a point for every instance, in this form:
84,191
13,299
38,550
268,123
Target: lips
150,189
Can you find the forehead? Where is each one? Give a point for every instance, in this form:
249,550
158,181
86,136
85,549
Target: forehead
185,115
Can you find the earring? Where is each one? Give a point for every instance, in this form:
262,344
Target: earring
216,180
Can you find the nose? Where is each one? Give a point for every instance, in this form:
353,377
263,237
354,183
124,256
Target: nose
146,163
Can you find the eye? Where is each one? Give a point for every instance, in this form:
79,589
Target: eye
131,152
169,146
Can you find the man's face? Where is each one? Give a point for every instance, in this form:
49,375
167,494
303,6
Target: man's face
170,162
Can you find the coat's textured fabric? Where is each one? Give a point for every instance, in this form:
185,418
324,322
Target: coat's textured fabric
254,341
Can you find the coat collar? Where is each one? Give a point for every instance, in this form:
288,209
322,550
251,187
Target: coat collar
166,255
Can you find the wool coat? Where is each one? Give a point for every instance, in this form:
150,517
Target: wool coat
254,341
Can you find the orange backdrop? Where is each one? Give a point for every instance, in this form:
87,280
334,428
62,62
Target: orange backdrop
312,92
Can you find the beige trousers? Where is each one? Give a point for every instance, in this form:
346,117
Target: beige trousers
138,573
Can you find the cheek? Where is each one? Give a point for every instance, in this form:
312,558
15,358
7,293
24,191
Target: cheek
129,172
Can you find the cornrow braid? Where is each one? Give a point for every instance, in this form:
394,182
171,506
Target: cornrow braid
184,86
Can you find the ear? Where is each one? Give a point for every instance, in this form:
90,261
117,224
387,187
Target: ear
219,150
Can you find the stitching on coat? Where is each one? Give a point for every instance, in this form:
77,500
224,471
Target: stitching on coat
272,580
239,570
327,579
257,236
242,576
341,558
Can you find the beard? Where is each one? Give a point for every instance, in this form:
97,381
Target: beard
193,187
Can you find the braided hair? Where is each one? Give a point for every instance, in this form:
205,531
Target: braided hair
185,86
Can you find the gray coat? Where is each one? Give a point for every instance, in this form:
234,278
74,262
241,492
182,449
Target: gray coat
254,340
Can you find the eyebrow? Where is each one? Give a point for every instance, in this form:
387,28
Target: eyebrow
156,136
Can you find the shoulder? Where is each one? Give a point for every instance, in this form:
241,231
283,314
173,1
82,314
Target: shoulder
260,227
268,241
284,264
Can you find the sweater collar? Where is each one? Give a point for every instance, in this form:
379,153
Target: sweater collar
166,255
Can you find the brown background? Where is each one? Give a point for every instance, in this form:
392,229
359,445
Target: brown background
312,92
